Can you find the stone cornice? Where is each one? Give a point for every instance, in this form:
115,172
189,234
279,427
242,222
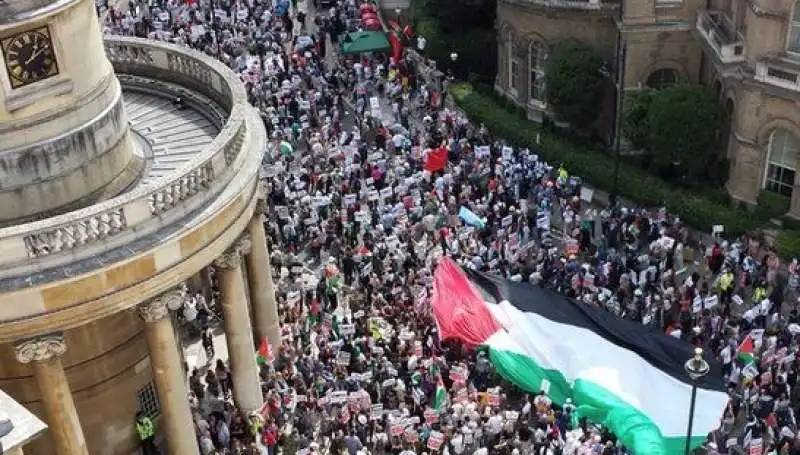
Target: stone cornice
602,6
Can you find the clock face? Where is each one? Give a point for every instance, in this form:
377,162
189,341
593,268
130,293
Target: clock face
29,57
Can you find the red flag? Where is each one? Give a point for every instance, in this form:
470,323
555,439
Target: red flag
408,32
436,160
394,25
265,354
397,46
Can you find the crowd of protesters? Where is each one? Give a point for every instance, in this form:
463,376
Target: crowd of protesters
370,181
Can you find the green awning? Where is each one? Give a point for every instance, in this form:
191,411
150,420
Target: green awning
360,42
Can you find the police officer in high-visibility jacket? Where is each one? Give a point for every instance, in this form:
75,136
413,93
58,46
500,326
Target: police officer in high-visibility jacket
146,432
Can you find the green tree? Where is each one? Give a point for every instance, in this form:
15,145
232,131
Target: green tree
575,83
683,121
634,120
465,27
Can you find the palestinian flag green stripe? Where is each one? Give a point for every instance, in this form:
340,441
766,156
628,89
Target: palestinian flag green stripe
617,373
632,427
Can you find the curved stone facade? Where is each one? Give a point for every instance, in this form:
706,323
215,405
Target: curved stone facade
107,362
65,140
83,276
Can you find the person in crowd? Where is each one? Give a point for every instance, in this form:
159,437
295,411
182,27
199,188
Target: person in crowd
371,178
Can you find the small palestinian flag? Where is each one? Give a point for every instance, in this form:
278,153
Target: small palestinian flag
745,351
265,355
440,397
609,368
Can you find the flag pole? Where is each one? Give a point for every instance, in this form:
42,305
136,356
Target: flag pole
696,368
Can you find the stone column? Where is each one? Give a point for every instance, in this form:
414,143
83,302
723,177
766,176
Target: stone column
168,373
262,289
44,355
238,330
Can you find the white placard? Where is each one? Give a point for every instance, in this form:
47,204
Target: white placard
343,358
587,194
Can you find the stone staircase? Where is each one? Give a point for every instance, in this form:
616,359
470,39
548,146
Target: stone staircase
175,133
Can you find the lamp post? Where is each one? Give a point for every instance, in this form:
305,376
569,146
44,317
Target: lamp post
696,368
620,88
397,12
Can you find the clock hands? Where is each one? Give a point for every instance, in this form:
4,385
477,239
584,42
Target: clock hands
36,51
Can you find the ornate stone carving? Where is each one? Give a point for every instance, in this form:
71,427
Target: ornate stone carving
40,349
193,182
76,234
244,244
232,257
128,53
159,306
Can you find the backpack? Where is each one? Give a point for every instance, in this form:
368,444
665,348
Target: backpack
269,437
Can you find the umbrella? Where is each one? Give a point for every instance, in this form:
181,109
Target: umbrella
369,16
366,7
361,42
286,148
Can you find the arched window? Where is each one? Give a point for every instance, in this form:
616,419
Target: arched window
662,78
513,65
537,59
794,29
782,151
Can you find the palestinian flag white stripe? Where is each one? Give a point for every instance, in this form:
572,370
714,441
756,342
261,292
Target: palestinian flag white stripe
631,383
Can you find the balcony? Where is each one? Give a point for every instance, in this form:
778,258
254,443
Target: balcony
721,35
585,5
779,71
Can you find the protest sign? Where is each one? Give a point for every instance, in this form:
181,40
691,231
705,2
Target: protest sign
435,440
376,411
343,358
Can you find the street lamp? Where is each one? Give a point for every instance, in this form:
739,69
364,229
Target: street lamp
696,368
397,12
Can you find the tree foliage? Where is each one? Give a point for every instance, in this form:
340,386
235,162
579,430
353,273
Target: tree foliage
634,118
682,123
465,27
575,83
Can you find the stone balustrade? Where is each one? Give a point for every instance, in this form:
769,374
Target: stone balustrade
589,5
147,208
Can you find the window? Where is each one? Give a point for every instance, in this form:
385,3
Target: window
782,153
513,67
794,30
662,78
537,58
147,401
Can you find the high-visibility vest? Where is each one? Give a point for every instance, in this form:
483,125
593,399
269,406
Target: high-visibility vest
144,428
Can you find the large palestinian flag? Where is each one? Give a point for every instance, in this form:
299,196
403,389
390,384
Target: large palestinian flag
618,373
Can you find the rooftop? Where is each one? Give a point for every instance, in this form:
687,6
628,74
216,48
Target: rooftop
26,425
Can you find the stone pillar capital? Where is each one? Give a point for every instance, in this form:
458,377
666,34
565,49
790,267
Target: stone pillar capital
232,257
40,349
159,306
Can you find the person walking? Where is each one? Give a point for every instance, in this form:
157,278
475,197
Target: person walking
146,432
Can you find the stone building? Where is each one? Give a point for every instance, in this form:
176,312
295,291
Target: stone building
746,51
128,168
